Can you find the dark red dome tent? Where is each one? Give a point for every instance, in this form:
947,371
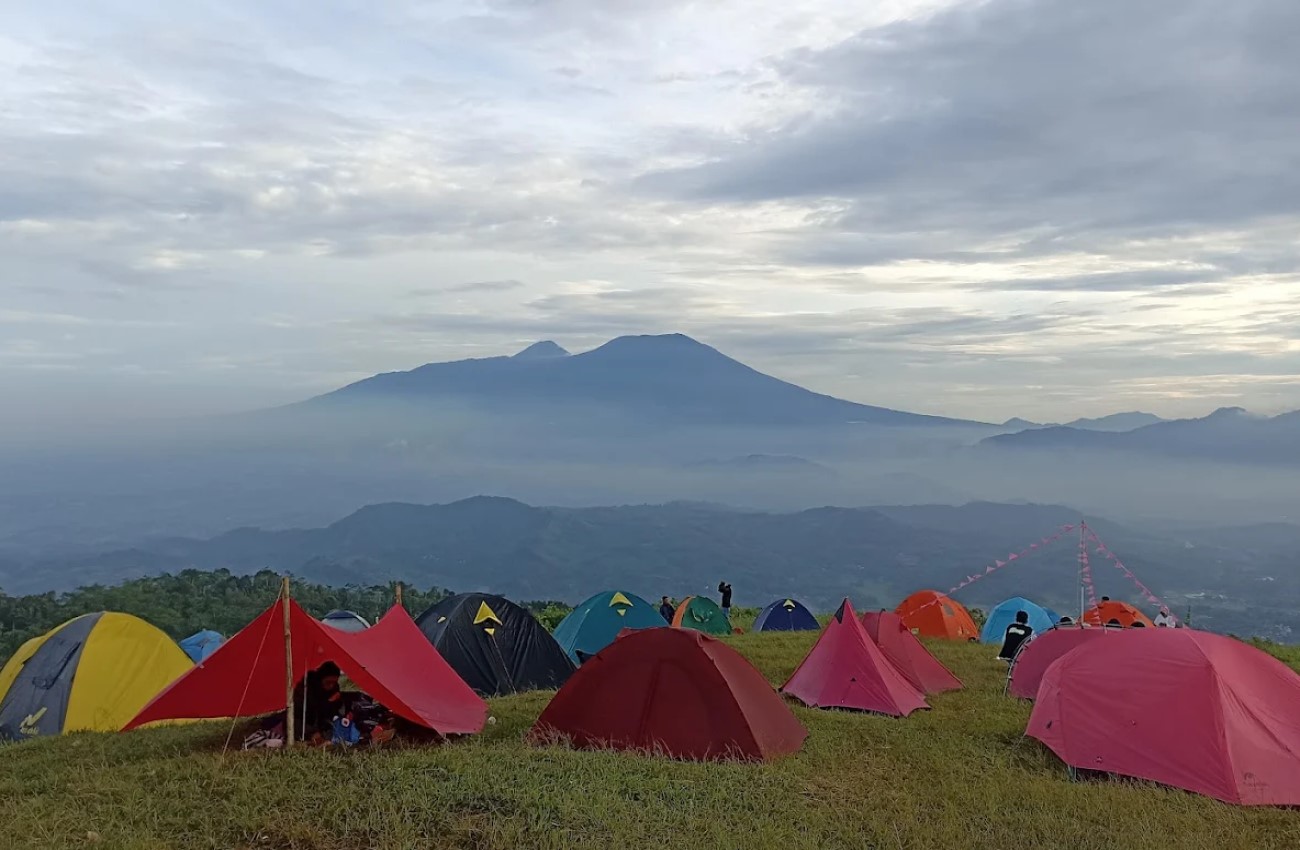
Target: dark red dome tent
1189,709
1038,653
845,669
908,655
675,692
391,661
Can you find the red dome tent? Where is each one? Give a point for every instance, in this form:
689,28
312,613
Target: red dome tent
934,614
1189,709
908,655
677,692
1126,614
1038,653
392,661
845,669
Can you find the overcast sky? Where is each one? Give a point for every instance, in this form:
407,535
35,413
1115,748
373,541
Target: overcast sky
1043,208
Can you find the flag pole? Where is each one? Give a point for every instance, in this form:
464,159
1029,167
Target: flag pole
288,666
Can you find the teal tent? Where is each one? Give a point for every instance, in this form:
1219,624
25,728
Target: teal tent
703,615
594,624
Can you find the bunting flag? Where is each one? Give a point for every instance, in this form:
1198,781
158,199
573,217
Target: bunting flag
1085,569
1105,552
1011,559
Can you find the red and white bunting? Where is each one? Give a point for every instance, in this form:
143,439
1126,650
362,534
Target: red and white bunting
1119,565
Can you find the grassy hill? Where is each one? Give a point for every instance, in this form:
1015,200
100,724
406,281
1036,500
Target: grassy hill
958,776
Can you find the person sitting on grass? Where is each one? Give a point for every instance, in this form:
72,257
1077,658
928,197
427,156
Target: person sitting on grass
317,700
1016,634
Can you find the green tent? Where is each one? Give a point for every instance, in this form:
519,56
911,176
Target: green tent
594,624
702,614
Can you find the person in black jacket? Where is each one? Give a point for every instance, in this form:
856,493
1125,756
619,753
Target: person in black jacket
666,609
725,590
1016,634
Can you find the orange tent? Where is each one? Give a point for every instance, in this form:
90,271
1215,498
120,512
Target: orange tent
1109,610
930,613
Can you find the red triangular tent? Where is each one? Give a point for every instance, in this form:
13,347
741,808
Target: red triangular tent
908,655
678,692
392,661
845,669
1190,709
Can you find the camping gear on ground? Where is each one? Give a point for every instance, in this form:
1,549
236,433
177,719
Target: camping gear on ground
786,615
496,646
1037,654
1103,613
908,655
94,672
845,669
930,613
1004,614
391,661
595,623
1191,709
673,692
701,614
200,645
345,621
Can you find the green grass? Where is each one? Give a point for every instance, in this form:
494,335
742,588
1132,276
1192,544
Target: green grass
959,776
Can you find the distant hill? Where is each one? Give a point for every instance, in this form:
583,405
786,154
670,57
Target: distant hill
1114,422
1229,434
662,378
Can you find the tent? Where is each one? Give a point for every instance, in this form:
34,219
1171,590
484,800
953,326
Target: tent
677,692
200,645
391,661
345,621
1004,614
495,645
1103,612
908,655
93,672
930,613
845,669
703,615
1037,654
786,615
594,624
1185,708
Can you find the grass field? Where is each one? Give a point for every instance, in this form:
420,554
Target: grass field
958,776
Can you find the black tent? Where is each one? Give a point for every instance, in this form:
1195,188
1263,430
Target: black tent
496,646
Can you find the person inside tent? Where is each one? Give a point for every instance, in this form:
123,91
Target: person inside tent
667,609
1164,620
725,589
1016,634
317,700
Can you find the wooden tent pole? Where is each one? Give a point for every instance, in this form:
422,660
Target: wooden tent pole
399,593
288,666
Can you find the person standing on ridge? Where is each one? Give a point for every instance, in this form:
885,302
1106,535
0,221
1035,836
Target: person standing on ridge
1164,620
666,609
725,590
1016,634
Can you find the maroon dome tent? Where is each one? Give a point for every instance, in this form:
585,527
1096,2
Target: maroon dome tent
675,692
908,655
1037,654
1189,709
845,669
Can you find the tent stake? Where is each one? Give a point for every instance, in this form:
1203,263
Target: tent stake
288,666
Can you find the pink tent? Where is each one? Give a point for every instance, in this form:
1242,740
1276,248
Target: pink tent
1190,709
1034,657
845,669
908,655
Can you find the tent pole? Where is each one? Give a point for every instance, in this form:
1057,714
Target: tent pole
399,593
1082,610
288,666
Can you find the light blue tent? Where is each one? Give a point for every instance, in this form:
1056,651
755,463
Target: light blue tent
200,645
1004,614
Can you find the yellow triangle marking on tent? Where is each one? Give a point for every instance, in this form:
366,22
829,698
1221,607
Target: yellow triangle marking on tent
491,630
622,612
619,599
789,603
486,613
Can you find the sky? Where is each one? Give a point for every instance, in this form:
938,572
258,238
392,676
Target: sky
989,208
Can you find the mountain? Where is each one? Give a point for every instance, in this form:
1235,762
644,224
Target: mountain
1130,421
1229,434
668,378
876,555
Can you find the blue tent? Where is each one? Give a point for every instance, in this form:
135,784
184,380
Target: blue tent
1004,614
594,624
200,645
786,615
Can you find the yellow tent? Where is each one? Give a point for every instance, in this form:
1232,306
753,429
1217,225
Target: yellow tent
93,672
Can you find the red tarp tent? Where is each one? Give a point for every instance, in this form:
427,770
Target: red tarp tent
392,661
845,669
1037,654
677,692
908,655
1190,709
